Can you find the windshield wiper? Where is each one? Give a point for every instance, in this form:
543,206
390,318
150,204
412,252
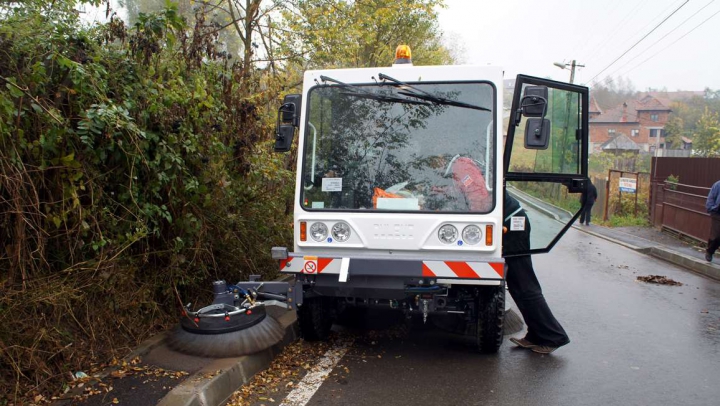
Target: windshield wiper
423,95
383,98
356,91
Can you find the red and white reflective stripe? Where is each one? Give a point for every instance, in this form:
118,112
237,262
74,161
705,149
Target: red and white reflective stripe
311,265
466,270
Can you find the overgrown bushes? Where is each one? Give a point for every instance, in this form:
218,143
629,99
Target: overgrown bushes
134,167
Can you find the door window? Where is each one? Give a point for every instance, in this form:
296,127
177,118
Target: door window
546,156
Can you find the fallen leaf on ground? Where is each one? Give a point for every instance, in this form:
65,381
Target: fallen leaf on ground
659,279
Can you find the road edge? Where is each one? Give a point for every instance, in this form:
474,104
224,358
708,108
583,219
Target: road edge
693,264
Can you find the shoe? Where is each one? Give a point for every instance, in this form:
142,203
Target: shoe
708,257
523,343
543,349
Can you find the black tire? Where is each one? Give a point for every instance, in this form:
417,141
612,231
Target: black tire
490,318
316,318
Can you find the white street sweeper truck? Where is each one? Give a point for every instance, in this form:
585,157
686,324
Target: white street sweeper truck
401,173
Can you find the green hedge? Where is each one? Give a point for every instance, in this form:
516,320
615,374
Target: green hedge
135,166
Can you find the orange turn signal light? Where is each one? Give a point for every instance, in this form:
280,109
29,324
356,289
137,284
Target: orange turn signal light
303,231
488,235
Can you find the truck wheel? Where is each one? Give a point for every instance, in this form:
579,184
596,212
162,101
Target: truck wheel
316,318
490,318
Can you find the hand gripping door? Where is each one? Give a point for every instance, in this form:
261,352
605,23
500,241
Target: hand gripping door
546,156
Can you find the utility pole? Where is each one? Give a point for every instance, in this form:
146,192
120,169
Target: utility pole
572,66
563,65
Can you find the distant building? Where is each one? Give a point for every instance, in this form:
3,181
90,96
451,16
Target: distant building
641,121
595,109
620,144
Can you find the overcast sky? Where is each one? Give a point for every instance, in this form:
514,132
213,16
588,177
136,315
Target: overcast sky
527,36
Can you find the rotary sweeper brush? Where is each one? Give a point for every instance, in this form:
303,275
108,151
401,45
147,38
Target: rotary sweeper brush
237,322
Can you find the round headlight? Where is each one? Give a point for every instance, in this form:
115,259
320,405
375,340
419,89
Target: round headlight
448,234
341,232
472,235
318,232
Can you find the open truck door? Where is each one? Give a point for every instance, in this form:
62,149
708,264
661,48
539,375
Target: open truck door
546,156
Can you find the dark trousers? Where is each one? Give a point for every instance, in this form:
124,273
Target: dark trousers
714,241
524,287
585,215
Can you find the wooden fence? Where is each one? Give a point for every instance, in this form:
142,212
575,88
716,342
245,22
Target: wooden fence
680,206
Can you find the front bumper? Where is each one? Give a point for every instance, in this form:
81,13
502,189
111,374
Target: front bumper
437,271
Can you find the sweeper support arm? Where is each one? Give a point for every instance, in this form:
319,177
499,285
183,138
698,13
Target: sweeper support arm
266,292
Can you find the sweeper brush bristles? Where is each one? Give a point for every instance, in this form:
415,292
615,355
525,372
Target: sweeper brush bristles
258,337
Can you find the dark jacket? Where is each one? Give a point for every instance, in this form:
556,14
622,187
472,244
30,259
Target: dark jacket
713,200
510,205
590,195
514,242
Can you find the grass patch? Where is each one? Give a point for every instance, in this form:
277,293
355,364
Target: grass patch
626,221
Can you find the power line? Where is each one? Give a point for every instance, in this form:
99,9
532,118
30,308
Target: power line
673,43
582,42
609,80
595,50
655,19
639,41
663,37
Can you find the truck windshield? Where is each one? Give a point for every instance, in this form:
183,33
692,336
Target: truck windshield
377,147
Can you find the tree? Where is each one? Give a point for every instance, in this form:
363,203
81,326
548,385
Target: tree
706,142
363,33
132,161
613,91
674,131
691,110
242,27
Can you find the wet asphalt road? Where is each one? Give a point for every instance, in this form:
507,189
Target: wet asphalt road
632,344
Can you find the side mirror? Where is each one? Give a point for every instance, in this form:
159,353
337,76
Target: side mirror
534,101
533,105
284,138
292,114
537,133
287,121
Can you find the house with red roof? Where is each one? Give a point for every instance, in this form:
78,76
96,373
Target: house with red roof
641,122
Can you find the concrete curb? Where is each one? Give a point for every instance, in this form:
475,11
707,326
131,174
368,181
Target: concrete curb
693,264
146,346
658,251
613,240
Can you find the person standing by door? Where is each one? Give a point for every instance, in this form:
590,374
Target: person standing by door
544,332
589,196
713,207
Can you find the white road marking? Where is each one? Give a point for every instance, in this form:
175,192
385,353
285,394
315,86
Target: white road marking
316,376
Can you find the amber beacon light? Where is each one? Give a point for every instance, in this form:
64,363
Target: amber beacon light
403,54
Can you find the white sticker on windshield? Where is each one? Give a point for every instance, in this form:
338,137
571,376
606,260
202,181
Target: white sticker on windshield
517,223
318,205
332,185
